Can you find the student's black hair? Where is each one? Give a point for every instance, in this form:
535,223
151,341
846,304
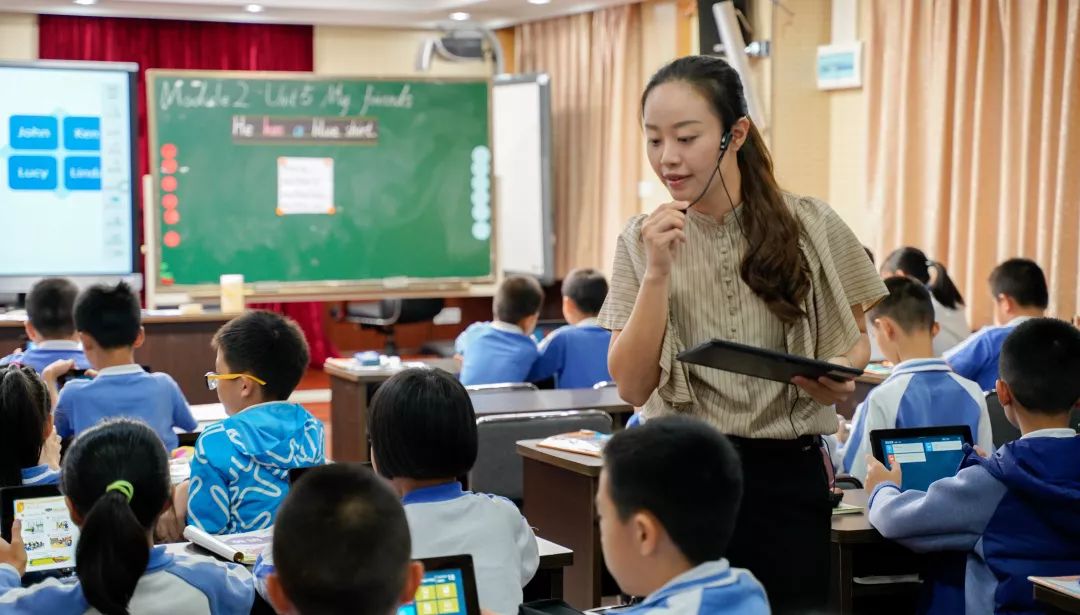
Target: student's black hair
113,551
518,297
1040,361
109,314
908,303
1023,280
356,525
774,266
587,288
268,346
913,262
656,466
50,307
25,411
422,425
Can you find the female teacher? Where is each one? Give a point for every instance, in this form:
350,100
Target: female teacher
736,258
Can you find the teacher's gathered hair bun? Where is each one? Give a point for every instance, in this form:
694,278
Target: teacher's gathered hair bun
774,266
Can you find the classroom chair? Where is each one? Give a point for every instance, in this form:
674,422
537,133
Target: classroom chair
1003,431
382,316
501,387
498,467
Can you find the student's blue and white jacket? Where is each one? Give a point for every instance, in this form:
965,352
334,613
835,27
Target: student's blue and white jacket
918,393
40,475
240,472
495,352
445,520
41,355
576,355
976,358
1016,514
712,588
178,585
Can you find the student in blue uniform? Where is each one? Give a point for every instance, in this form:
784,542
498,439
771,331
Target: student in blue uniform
576,355
1020,294
240,472
109,322
423,435
1016,513
29,449
116,481
501,350
922,391
356,525
658,546
50,325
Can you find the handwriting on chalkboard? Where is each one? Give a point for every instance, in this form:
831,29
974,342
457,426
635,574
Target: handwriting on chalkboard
241,94
305,129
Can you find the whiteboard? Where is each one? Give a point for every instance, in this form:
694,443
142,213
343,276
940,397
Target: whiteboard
521,146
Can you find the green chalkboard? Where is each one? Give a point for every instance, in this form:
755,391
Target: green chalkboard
305,180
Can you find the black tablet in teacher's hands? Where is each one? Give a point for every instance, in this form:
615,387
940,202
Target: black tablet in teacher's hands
761,363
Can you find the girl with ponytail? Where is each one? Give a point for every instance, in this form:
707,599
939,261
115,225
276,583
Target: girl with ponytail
29,447
116,483
735,257
948,303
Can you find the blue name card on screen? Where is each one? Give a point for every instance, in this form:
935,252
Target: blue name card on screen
82,173
32,173
33,132
82,133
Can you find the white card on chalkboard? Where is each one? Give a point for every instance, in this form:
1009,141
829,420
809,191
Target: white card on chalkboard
305,186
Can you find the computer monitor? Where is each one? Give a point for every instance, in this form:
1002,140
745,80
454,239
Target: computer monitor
68,173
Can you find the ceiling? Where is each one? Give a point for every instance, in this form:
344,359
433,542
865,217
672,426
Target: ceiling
377,13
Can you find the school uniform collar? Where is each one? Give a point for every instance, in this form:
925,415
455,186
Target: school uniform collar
121,370
59,345
159,558
912,366
435,493
507,327
588,322
36,474
1019,320
706,573
1050,432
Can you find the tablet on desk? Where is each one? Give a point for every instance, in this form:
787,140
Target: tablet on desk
48,532
925,454
761,363
449,586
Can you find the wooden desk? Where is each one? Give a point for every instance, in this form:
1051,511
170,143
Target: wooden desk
1058,601
177,345
857,549
351,392
546,583
560,502
560,491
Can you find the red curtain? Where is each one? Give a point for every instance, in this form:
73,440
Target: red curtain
196,45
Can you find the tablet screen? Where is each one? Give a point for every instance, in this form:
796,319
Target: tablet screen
48,533
924,459
441,591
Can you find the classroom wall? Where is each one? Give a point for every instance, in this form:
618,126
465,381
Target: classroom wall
847,151
659,26
18,37
347,50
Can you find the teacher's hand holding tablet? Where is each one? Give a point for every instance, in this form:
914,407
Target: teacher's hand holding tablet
662,232
825,390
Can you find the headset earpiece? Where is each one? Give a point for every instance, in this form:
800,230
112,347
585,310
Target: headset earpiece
725,141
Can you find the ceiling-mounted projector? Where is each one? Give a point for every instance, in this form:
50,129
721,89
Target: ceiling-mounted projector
461,44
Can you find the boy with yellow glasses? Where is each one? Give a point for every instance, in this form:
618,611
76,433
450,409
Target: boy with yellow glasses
240,472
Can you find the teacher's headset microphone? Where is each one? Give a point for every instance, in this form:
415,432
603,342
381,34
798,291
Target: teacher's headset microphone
725,141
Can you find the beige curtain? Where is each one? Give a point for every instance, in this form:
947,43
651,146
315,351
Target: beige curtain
974,137
594,61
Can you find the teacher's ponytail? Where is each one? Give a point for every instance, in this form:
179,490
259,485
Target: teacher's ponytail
773,267
117,478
